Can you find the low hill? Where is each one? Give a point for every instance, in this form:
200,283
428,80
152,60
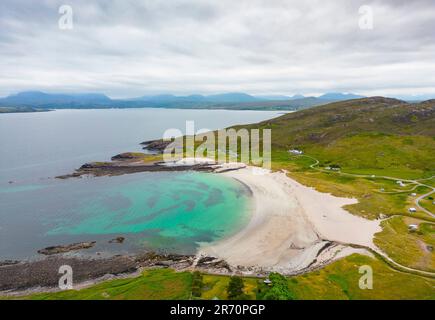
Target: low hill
330,122
365,134
338,96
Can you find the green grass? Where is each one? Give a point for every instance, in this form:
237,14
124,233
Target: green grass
338,280
428,203
158,284
380,155
429,182
405,247
216,287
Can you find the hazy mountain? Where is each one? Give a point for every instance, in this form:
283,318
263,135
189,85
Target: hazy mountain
274,97
235,101
280,97
218,98
37,98
337,96
232,97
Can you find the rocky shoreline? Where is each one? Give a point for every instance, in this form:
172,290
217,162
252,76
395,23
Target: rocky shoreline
18,278
66,248
127,163
43,275
24,277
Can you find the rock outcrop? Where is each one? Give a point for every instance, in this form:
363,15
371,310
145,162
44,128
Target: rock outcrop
66,248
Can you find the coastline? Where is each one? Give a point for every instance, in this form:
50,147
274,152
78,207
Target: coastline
293,228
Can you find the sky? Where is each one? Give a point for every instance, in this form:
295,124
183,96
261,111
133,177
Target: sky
129,48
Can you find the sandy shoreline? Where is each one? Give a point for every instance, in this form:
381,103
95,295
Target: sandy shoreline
292,227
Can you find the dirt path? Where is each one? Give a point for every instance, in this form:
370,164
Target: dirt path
416,182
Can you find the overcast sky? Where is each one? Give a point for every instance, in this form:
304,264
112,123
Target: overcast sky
132,48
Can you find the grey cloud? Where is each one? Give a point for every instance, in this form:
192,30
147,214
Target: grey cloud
128,48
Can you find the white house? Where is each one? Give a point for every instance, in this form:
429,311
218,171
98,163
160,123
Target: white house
412,210
413,227
413,194
296,152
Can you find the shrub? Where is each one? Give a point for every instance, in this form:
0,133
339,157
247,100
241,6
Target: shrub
279,288
235,288
197,284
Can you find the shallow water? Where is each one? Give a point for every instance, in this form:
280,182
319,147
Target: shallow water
155,211
158,211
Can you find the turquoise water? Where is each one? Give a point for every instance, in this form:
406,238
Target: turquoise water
153,211
177,205
165,211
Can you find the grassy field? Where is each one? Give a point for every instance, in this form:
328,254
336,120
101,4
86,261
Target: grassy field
429,203
338,281
376,136
216,286
158,284
408,248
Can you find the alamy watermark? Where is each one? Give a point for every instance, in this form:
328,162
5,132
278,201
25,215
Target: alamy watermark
366,20
251,146
366,280
66,280
66,20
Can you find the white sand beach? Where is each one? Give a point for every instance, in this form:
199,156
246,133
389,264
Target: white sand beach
290,224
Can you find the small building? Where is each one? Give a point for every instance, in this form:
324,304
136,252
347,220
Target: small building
413,194
296,152
268,282
412,210
400,183
413,227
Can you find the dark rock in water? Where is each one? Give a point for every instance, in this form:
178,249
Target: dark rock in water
156,145
8,262
94,165
66,248
128,156
117,240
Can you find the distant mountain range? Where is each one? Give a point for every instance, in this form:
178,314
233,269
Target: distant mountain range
30,100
